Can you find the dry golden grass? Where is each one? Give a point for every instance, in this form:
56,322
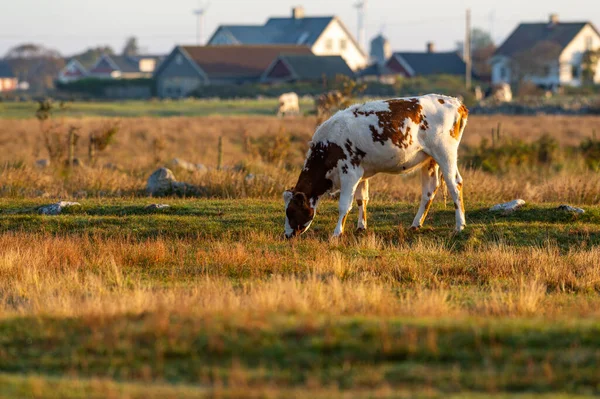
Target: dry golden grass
82,276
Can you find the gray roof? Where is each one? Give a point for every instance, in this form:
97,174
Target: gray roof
125,63
434,63
376,69
528,35
302,31
313,67
5,70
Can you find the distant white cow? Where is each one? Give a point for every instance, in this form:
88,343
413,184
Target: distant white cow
288,104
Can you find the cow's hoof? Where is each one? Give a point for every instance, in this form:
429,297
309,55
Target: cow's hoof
415,228
361,230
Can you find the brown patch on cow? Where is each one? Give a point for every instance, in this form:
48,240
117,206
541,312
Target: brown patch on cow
461,120
324,157
345,169
455,206
460,196
431,167
355,153
392,124
359,203
429,195
425,124
441,101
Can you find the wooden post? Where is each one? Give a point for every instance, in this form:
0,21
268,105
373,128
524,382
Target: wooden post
220,153
71,147
92,150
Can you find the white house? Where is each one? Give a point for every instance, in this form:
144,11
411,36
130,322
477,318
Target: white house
73,71
564,43
324,35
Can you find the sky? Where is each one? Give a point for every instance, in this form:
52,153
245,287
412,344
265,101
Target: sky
70,26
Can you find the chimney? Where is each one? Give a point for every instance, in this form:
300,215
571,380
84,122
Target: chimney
430,47
298,12
554,19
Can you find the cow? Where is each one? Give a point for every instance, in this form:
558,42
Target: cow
394,136
288,104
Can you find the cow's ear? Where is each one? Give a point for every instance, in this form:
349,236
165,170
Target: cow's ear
300,198
287,196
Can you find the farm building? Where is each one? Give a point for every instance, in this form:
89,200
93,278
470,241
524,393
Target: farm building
189,67
8,80
430,62
303,68
323,35
124,67
549,54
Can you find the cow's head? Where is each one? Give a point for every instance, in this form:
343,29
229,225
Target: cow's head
299,213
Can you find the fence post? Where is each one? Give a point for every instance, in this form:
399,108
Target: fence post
220,153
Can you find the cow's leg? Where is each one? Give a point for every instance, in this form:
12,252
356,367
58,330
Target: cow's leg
429,186
362,197
454,182
348,182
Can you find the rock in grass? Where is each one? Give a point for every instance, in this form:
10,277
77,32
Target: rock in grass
190,167
571,209
157,206
161,182
42,163
56,209
508,207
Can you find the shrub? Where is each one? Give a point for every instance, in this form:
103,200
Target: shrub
590,149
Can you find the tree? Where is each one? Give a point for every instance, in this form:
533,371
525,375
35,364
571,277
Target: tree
589,66
36,65
131,47
481,39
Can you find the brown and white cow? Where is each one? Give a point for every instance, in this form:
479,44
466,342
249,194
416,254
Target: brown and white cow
393,136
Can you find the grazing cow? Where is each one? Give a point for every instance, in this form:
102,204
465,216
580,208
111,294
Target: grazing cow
288,104
393,136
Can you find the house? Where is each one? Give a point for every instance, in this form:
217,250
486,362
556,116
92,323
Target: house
548,54
430,62
124,67
8,80
189,67
74,70
324,35
305,68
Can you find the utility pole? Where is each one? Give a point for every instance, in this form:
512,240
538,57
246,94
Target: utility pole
361,7
199,13
467,54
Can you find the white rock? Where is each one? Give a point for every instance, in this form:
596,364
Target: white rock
56,209
157,206
569,208
185,165
508,206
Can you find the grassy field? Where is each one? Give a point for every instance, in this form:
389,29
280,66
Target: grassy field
164,108
205,299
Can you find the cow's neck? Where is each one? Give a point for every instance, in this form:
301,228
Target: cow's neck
314,185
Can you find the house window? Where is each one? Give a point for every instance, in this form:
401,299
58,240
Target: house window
589,42
329,44
343,44
503,73
575,72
